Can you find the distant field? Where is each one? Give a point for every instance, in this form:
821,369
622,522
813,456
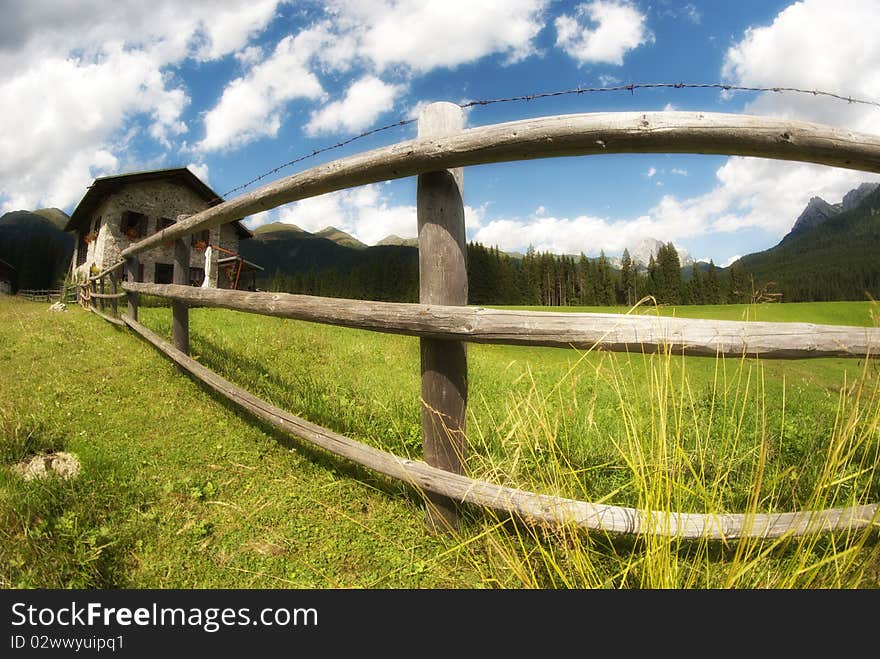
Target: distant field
863,314
183,491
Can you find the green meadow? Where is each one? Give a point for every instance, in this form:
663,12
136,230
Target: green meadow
179,489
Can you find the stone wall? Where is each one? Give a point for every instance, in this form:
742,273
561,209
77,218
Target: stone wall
155,199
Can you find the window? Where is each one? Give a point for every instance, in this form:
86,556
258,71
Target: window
164,223
97,224
196,276
164,273
82,250
134,225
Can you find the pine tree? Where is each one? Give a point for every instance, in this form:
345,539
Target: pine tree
697,286
712,285
627,279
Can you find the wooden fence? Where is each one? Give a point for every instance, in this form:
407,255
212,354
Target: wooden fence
41,294
445,324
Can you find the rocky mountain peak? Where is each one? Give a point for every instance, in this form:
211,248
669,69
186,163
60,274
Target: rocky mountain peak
642,252
817,211
854,197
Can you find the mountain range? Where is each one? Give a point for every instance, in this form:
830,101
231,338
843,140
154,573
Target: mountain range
831,251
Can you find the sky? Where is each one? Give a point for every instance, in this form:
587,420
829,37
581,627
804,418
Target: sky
234,90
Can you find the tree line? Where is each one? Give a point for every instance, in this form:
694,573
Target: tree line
535,279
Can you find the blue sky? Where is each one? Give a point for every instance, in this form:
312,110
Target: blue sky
235,89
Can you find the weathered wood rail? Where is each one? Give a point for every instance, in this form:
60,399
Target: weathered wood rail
444,323
40,294
607,331
550,137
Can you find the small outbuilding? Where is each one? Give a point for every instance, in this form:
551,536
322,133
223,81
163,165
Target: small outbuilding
117,211
7,277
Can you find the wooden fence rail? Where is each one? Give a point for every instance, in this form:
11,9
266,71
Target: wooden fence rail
444,323
607,331
41,294
88,294
549,137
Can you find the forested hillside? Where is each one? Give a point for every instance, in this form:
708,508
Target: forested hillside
832,253
34,243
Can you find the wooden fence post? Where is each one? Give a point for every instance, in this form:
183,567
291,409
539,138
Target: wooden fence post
180,310
442,280
102,301
114,304
131,271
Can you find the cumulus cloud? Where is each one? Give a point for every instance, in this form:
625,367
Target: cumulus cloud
252,106
421,35
568,235
602,31
811,44
249,55
74,127
364,102
200,169
88,77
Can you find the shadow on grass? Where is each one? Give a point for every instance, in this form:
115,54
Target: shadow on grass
218,359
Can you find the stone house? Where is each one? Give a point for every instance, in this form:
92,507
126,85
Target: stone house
117,211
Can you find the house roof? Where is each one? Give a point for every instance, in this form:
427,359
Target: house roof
105,185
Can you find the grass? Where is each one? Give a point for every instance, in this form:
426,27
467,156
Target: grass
180,491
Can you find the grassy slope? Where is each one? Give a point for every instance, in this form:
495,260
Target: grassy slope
204,498
213,500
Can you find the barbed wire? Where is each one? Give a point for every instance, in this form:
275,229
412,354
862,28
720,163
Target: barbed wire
566,92
669,85
338,145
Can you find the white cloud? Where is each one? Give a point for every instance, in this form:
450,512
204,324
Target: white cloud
364,102
608,81
88,77
602,31
363,212
728,262
251,107
73,129
560,235
249,55
651,171
426,34
751,193
811,44
200,169
226,29
680,172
